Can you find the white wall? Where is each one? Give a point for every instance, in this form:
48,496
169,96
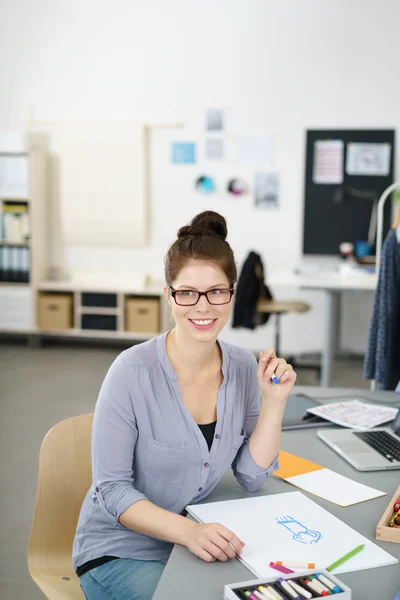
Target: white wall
281,66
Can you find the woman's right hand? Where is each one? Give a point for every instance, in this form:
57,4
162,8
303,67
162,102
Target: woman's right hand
213,541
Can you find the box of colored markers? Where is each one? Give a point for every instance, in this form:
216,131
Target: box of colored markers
296,586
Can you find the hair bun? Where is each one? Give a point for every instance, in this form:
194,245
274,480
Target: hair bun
207,222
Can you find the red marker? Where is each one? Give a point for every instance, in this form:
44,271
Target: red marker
314,586
280,568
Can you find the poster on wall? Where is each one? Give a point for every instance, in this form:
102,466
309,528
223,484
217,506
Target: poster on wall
368,159
214,119
214,149
266,190
237,186
255,150
205,184
183,153
328,162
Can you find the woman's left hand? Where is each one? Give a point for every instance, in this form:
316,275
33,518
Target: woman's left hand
270,365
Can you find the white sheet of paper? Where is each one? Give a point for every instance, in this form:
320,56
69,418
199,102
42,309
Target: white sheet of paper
328,162
290,527
368,159
256,150
334,487
355,414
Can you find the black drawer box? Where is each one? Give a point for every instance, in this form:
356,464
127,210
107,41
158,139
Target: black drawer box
99,300
108,322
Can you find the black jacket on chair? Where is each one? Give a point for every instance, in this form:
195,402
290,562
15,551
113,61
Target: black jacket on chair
250,288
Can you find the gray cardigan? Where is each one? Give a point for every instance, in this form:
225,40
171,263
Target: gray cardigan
146,445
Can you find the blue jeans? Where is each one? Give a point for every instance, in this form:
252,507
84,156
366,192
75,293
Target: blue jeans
122,579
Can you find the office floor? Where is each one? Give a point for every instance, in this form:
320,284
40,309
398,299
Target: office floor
38,388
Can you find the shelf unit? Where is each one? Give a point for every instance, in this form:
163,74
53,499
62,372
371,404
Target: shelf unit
20,302
18,298
118,294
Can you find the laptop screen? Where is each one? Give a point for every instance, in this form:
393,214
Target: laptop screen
395,424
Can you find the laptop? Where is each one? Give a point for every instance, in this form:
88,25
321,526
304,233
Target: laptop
372,450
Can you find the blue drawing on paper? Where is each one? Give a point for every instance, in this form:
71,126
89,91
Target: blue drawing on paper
183,153
300,532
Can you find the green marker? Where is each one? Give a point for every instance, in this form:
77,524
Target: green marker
340,561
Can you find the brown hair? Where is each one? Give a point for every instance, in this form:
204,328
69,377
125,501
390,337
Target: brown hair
204,239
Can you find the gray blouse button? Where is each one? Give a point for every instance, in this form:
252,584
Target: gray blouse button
217,436
200,489
206,464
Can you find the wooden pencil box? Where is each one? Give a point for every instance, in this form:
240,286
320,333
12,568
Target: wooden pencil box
383,531
236,591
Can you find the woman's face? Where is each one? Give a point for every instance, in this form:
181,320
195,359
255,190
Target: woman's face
203,321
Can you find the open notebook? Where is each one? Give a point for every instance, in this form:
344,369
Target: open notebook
290,527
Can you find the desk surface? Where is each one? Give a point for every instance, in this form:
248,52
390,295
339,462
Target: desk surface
326,280
187,576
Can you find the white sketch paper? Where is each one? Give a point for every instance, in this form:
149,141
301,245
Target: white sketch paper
328,162
290,526
368,159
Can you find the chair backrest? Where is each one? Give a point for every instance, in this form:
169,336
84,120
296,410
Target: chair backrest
65,475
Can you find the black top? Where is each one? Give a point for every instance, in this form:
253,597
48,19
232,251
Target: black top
208,431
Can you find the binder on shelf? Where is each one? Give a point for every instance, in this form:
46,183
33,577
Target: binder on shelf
14,263
25,264
6,263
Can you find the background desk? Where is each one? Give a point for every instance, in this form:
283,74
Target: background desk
187,576
331,284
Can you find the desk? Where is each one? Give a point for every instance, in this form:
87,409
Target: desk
187,576
332,284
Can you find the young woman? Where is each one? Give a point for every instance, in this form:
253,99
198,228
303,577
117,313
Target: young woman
173,414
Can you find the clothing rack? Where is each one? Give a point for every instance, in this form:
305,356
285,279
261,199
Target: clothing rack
379,227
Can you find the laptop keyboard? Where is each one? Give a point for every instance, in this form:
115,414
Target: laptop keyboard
382,442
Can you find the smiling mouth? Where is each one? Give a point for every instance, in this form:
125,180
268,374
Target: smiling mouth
203,323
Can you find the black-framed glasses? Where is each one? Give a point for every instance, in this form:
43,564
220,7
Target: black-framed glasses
191,297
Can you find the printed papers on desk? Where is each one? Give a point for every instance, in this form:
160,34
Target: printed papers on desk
355,414
322,482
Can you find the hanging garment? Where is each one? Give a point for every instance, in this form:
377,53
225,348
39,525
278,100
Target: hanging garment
249,290
382,359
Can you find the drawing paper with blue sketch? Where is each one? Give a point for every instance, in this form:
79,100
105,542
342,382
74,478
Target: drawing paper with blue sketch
290,527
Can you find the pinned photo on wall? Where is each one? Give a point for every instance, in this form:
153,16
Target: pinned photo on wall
214,149
237,187
266,190
183,153
214,119
205,184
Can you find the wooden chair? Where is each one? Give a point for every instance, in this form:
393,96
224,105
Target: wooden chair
279,308
65,476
